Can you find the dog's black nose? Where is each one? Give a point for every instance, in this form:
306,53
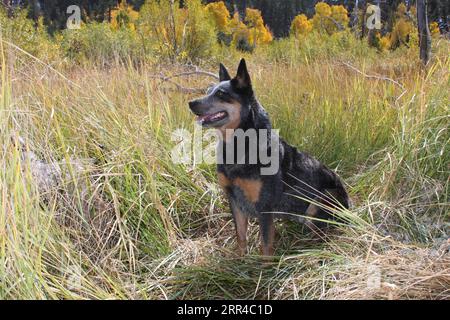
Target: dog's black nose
194,106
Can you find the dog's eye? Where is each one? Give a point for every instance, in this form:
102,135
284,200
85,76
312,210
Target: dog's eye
221,94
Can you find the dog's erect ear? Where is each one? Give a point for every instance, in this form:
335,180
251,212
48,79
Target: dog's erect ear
223,73
242,79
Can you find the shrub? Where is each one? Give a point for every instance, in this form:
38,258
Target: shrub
100,43
401,32
434,29
340,15
220,15
185,34
384,43
22,32
301,25
241,34
330,19
315,47
403,27
258,32
200,38
124,16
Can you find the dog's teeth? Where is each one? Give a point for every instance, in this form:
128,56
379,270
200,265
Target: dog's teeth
213,117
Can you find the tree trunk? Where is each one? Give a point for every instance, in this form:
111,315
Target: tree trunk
354,16
424,32
363,24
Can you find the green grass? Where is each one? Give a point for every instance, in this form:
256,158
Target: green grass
125,222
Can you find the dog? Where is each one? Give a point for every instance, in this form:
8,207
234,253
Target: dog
301,189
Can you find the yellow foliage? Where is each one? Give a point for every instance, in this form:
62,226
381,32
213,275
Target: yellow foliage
237,26
323,9
401,31
301,25
340,15
199,37
434,29
239,30
220,14
330,18
259,33
384,43
401,10
177,33
124,16
253,18
159,22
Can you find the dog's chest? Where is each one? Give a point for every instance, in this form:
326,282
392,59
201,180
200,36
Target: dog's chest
249,188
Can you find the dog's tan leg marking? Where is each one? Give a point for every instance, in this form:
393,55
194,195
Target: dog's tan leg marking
241,223
267,235
329,199
312,210
250,187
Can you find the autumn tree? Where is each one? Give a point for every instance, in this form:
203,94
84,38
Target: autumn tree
221,16
178,33
339,15
157,22
241,34
301,25
321,19
330,19
123,16
403,26
199,38
259,33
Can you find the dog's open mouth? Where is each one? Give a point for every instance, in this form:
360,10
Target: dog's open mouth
210,119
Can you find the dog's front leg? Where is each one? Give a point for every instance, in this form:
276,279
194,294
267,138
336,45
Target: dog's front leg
241,224
267,233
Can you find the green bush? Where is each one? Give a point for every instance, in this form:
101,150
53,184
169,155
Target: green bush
98,42
315,46
22,32
177,34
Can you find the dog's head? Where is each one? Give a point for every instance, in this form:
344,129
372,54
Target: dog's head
227,104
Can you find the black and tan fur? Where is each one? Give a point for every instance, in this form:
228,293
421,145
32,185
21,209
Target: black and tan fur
301,187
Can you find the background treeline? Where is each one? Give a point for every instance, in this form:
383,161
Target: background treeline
277,14
196,30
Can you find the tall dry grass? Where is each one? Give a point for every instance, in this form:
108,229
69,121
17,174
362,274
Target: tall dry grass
93,207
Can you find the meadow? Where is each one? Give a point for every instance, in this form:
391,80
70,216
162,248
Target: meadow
93,207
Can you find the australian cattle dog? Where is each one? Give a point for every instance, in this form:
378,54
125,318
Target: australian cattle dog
301,188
